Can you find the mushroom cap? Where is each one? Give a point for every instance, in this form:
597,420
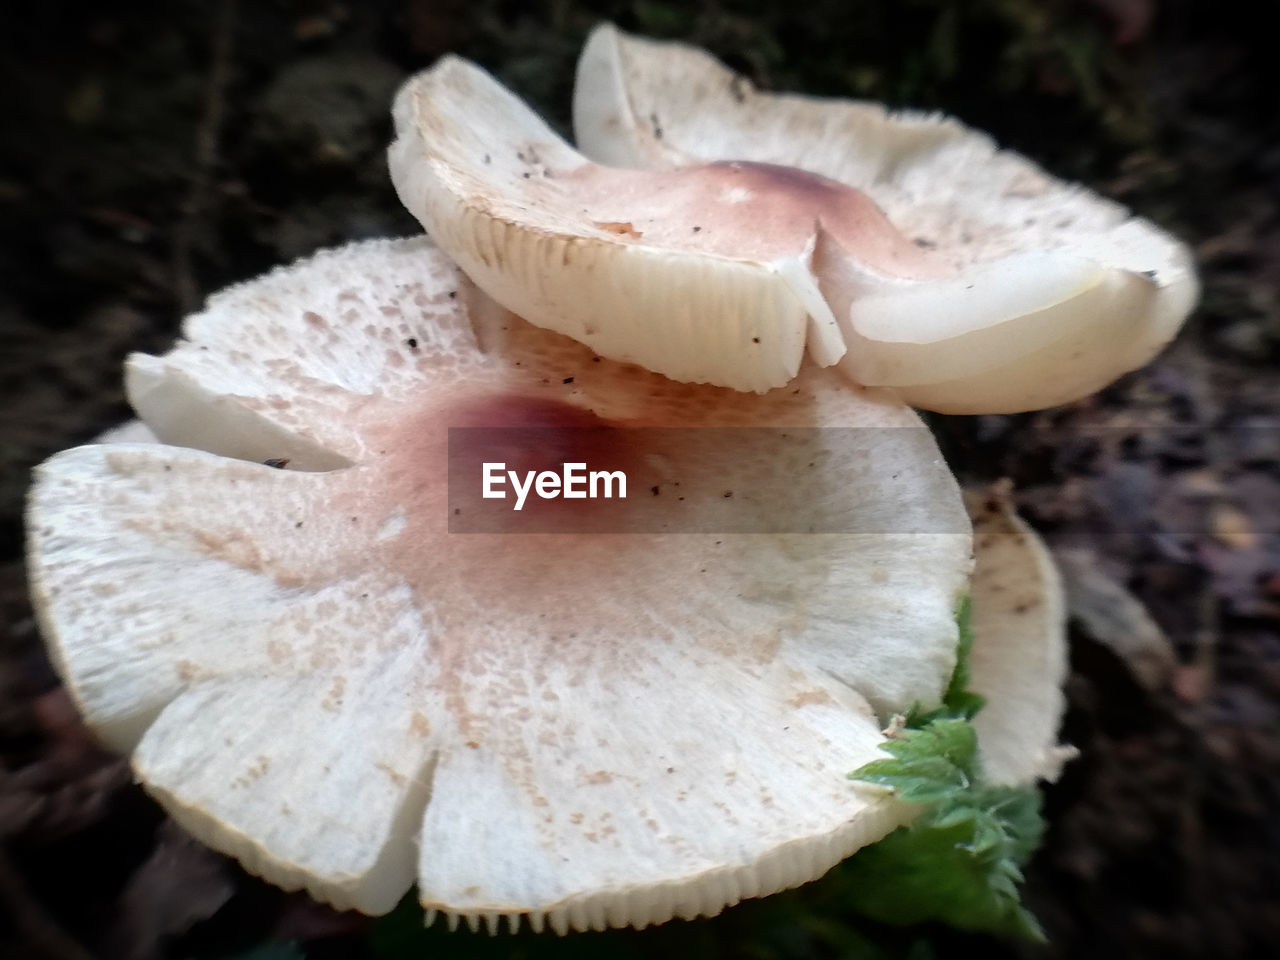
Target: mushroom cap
1019,657
702,274
318,678
1054,291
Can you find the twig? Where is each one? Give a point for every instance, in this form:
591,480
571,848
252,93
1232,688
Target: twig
186,290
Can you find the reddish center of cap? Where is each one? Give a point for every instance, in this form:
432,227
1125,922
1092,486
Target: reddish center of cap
511,411
744,210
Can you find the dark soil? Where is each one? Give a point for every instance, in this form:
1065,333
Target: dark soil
155,151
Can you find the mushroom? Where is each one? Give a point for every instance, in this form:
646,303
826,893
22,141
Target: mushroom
749,228
315,676
1019,656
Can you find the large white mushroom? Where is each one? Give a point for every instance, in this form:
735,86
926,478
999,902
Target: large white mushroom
717,233
315,676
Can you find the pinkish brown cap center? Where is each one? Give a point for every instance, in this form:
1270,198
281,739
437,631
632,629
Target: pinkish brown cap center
745,210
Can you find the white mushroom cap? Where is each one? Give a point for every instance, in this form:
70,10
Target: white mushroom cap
1054,291
1019,656
702,274
316,677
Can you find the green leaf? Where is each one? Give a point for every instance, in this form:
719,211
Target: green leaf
960,861
927,765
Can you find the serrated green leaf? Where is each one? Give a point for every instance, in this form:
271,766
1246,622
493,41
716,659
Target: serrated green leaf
960,861
957,869
1018,809
943,756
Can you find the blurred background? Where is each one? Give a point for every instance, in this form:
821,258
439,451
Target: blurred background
151,152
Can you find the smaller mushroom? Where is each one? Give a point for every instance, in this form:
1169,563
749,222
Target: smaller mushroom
907,249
